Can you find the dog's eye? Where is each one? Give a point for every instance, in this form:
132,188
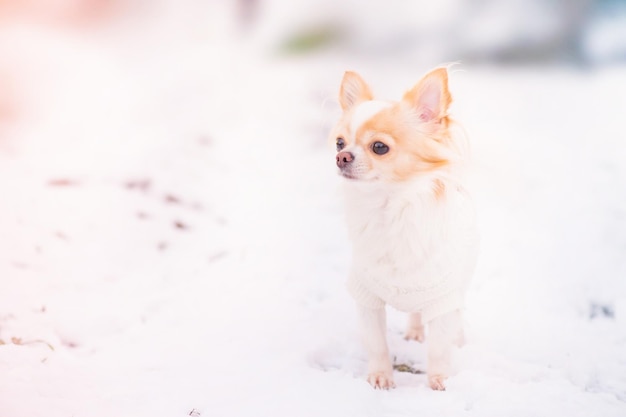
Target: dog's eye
380,148
340,144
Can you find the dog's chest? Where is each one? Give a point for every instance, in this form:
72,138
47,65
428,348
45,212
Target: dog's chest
397,229
410,247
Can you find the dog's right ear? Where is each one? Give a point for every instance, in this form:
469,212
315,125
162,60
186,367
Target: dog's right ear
353,90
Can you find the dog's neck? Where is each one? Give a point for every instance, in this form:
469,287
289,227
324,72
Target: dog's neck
426,188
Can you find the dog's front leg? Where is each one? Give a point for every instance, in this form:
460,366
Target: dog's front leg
444,333
374,335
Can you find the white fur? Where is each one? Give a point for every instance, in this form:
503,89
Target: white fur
365,111
414,241
404,234
419,238
358,168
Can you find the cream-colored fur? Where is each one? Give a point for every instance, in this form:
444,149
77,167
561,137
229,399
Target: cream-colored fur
410,219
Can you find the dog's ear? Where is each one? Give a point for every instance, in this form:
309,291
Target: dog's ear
353,90
430,97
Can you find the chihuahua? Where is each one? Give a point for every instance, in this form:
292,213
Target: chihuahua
410,219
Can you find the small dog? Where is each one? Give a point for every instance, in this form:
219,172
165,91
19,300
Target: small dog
411,221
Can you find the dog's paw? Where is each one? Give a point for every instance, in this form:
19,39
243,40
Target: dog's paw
415,333
436,382
381,380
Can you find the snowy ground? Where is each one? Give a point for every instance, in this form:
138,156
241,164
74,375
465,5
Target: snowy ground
172,241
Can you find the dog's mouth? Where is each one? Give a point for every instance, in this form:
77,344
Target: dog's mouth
348,175
353,177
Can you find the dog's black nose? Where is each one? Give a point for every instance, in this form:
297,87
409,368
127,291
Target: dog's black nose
344,159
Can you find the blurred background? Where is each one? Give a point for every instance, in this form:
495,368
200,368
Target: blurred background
42,41
170,224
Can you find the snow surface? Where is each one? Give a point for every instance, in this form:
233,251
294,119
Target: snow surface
172,240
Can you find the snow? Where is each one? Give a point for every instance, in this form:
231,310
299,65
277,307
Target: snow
172,239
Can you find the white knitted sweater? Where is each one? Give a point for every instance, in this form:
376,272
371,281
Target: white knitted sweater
412,249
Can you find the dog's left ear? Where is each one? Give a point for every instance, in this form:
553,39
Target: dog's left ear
430,97
353,90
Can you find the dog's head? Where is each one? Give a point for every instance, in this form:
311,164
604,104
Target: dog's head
393,141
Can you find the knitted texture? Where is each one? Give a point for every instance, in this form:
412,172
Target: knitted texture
430,303
410,250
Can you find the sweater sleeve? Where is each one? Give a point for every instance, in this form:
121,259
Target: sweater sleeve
362,295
